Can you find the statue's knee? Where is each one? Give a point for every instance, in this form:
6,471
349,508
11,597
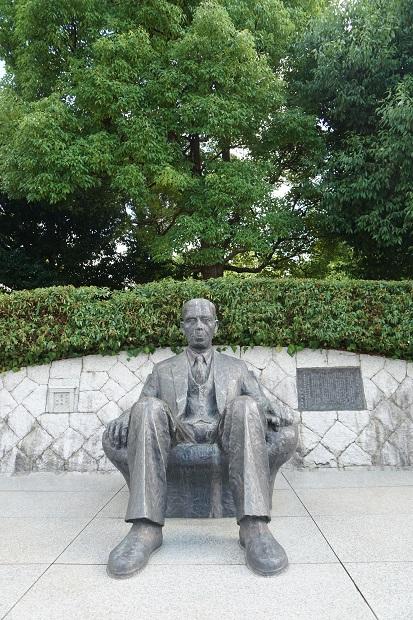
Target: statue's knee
148,409
244,406
148,403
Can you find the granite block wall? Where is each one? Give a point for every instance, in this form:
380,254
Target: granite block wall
52,416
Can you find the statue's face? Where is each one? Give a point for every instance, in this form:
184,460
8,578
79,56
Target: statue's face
199,324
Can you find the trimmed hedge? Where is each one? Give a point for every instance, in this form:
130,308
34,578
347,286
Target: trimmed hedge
42,325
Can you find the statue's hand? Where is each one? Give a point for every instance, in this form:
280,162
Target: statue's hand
273,419
276,418
118,431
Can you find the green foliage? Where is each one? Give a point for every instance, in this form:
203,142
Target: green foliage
46,245
330,259
354,69
150,105
47,324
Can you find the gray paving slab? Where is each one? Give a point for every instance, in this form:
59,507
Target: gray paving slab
62,481
366,516
52,504
334,478
285,503
370,538
32,541
387,586
116,508
15,580
307,592
200,541
281,482
350,501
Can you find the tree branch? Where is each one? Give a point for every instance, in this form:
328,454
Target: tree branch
171,223
268,261
234,253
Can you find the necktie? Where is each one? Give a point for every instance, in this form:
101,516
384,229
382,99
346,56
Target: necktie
199,369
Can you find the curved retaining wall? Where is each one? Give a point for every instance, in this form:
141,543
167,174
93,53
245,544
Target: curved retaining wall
52,416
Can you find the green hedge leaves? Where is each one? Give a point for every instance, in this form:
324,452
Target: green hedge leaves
42,325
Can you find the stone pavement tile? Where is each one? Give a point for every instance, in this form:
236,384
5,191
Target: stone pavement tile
371,500
15,580
281,482
200,541
285,503
117,507
302,540
303,592
333,478
32,541
186,541
39,504
370,538
387,587
62,481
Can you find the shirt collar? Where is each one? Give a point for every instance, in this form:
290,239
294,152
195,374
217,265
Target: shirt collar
207,355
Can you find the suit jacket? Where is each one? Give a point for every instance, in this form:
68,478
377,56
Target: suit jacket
169,382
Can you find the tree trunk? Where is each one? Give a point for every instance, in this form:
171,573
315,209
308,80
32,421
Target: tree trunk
195,154
212,271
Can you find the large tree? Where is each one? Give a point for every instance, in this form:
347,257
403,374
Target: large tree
354,69
177,111
80,244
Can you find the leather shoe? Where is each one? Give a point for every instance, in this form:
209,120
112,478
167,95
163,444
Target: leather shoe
132,554
263,554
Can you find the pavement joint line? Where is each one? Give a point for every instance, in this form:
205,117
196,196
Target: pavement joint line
54,561
25,592
373,486
88,523
21,563
52,491
381,562
361,514
333,550
55,517
174,565
379,486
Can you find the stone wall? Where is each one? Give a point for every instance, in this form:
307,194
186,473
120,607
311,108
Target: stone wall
52,416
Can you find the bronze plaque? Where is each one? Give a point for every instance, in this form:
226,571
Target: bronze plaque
327,389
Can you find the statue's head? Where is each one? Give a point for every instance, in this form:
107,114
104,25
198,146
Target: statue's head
199,323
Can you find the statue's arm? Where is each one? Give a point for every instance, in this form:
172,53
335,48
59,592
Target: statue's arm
118,429
276,416
251,387
151,385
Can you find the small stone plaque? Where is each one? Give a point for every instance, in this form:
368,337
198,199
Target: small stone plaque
328,389
61,399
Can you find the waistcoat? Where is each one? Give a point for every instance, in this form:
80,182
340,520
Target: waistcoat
201,411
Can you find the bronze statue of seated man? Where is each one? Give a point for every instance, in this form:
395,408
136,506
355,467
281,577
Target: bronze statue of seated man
199,396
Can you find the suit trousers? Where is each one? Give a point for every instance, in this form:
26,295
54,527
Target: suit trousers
241,435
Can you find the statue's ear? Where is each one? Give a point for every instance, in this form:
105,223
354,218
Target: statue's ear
181,324
216,326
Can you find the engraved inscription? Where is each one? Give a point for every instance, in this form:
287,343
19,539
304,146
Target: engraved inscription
326,389
61,399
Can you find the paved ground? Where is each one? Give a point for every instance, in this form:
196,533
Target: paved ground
349,537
